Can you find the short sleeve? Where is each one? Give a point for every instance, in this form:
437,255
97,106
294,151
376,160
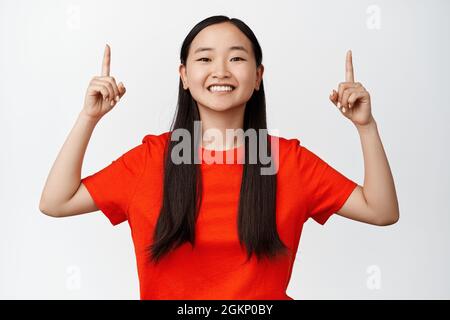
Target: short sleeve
326,188
113,187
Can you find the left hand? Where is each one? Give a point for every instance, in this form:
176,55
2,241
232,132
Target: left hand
352,99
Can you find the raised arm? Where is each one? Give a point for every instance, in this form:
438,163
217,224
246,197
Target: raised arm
375,202
63,193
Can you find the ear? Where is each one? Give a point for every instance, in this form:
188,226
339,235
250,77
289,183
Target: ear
182,71
259,75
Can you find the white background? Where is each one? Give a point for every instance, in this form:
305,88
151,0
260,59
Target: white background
51,49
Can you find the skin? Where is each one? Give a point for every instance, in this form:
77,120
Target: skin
63,194
221,111
374,203
103,93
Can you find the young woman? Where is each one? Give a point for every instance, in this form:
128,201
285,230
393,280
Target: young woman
211,230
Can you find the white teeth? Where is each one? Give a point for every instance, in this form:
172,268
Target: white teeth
220,88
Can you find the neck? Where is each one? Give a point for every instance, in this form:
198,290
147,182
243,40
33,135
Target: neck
215,125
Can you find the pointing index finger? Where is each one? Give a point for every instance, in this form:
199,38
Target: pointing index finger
349,77
106,61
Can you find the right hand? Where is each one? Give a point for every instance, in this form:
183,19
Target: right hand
103,93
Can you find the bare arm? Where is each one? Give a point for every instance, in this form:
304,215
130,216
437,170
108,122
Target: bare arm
63,193
375,203
64,178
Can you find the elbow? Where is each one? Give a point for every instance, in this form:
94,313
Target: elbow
390,220
47,211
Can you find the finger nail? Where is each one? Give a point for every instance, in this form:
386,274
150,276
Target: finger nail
112,103
343,109
339,104
117,98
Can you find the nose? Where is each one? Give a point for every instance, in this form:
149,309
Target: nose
220,70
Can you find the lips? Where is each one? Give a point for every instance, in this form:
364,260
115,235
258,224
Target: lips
221,85
220,89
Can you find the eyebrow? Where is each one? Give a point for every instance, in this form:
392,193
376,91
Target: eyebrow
200,49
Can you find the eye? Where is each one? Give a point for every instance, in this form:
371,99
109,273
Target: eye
238,58
202,59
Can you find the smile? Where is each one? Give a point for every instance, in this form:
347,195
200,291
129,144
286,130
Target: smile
220,89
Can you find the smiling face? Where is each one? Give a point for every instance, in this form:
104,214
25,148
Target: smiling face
221,55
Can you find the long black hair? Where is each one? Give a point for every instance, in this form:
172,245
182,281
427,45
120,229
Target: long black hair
182,191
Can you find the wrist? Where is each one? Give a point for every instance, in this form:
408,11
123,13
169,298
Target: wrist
369,126
88,119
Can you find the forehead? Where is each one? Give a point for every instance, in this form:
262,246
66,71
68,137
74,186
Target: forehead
220,36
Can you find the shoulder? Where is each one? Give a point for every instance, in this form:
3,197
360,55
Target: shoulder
155,143
286,146
285,143
149,143
153,146
158,140
293,151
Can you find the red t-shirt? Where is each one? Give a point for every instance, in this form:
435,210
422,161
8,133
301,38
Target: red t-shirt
130,188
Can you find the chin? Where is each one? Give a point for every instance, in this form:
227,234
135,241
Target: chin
222,107
221,102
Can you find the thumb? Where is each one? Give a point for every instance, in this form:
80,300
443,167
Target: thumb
121,88
333,97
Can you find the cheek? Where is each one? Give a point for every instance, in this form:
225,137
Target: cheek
246,77
196,77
